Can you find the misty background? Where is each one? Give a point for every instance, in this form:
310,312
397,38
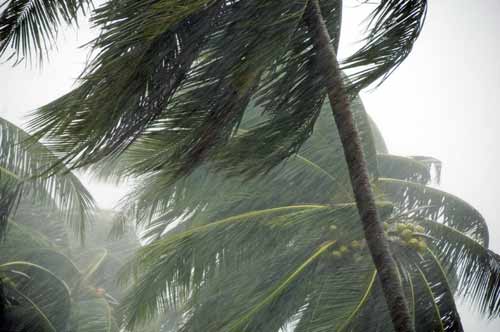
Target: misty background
442,102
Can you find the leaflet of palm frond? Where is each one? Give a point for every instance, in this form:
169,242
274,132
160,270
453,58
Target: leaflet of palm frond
171,269
211,90
42,299
93,314
442,291
29,161
394,27
476,268
29,28
442,207
404,168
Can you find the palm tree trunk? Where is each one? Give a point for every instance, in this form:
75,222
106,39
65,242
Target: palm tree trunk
373,229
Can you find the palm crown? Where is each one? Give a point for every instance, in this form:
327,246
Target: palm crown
286,249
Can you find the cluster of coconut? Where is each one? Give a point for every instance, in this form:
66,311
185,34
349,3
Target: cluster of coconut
405,234
351,249
408,235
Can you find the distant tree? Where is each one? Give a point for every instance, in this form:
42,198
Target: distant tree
53,285
35,274
284,250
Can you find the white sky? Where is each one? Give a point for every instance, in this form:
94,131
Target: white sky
441,102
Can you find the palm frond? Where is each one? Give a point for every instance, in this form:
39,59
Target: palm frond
342,294
175,269
43,298
29,162
394,27
404,168
476,267
434,204
29,28
206,50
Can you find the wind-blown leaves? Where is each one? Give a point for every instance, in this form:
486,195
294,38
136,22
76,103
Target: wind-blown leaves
218,56
154,204
394,27
476,267
29,28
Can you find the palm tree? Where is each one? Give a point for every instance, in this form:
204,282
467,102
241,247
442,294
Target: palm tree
283,251
189,70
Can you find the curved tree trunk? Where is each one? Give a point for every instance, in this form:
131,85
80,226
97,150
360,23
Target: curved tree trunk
358,171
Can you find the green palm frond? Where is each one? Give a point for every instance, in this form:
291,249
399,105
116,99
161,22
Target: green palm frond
183,266
433,302
29,28
28,245
404,168
28,164
42,299
144,43
339,299
394,27
476,267
434,204
218,56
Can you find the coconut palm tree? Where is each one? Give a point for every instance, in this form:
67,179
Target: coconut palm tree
189,70
282,251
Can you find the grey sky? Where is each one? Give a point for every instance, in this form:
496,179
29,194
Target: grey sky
441,102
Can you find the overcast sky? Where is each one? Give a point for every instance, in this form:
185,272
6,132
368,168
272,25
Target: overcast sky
441,102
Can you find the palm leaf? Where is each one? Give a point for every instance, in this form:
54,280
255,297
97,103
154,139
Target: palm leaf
476,268
434,204
44,299
168,270
29,164
29,28
394,27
